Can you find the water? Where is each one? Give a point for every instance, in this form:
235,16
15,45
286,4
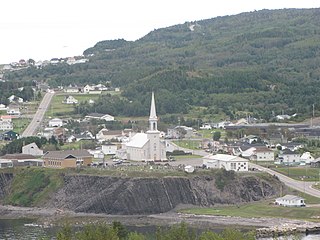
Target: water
20,229
23,229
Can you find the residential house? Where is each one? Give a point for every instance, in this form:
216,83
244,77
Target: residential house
315,163
251,139
109,149
67,159
288,157
5,125
101,87
10,135
87,88
14,112
3,107
55,122
99,116
32,149
105,135
291,146
290,201
14,98
87,135
206,126
70,100
228,162
179,132
306,158
245,151
263,154
72,90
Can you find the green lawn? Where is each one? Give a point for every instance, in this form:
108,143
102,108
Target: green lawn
58,109
75,145
181,157
299,173
189,144
259,209
20,124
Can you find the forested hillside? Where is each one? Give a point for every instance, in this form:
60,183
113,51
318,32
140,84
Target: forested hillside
259,63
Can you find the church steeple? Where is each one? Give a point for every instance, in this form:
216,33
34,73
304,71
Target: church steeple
153,119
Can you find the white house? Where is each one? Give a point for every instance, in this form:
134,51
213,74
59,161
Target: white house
5,125
32,149
55,122
87,88
72,90
106,135
14,98
70,100
3,107
289,157
263,154
100,116
13,111
306,158
109,149
206,126
228,162
147,146
290,201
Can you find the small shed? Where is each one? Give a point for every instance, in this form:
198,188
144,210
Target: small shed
290,201
189,169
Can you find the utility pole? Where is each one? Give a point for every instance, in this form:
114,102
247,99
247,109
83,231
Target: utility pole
312,115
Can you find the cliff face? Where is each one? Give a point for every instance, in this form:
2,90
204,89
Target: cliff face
116,195
5,183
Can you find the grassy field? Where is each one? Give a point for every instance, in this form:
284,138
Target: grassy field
306,173
189,144
20,124
58,109
259,209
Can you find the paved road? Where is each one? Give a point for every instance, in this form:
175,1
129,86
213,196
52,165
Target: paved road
38,116
302,186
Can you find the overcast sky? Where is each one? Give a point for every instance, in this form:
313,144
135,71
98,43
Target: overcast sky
43,29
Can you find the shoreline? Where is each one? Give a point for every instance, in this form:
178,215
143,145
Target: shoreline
265,227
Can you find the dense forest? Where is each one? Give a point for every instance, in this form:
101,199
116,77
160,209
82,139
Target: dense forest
261,63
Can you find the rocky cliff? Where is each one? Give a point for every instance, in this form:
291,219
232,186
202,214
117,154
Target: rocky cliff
5,183
117,195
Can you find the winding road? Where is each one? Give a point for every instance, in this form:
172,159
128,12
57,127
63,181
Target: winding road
302,186
38,116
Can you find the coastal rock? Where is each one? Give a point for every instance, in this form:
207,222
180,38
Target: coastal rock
118,195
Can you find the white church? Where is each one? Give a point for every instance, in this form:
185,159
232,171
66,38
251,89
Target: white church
147,146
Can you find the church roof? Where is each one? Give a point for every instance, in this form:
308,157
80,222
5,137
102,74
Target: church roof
153,114
138,140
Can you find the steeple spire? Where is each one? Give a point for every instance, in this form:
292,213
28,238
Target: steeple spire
153,119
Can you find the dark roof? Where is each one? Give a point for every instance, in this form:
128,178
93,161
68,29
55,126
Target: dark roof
67,153
17,156
288,151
